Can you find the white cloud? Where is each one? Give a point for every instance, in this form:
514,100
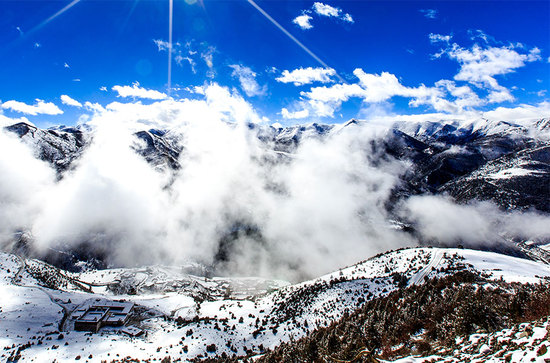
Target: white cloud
303,21
199,90
371,88
435,38
247,79
330,11
382,87
444,96
294,115
480,34
307,75
477,63
161,44
500,94
139,92
429,13
329,193
440,218
521,112
320,9
95,107
348,18
66,100
40,107
208,56
326,10
103,88
24,183
179,59
66,65
186,54
480,64
465,97
324,101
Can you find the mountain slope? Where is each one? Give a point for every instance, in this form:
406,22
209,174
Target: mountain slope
515,181
195,321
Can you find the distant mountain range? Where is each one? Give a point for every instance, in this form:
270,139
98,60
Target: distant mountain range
503,162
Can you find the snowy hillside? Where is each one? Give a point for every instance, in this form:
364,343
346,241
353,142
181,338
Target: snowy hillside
526,342
196,317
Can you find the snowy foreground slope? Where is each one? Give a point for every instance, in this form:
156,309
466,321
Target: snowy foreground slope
527,342
186,317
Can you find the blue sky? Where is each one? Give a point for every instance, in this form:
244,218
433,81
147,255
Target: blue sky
363,58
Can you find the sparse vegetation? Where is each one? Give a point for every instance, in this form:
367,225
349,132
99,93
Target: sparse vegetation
420,319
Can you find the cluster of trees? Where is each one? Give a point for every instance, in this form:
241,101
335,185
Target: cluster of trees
420,318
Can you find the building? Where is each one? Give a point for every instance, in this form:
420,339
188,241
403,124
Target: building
92,316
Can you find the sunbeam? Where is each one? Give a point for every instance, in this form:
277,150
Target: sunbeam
125,22
170,19
45,22
292,37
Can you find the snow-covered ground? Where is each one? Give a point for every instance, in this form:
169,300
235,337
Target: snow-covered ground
188,316
527,342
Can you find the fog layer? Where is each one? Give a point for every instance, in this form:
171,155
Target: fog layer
235,203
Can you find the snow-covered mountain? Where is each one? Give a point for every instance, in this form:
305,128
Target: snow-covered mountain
190,311
190,317
497,161
60,145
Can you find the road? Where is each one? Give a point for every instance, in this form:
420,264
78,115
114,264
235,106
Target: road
417,279
17,281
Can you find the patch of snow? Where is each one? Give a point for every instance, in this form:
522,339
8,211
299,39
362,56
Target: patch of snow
511,173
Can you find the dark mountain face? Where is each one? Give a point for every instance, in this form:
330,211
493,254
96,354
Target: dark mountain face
516,180
158,148
510,169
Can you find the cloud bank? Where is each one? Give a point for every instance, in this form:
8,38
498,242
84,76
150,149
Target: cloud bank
138,92
308,75
474,86
438,218
234,204
66,100
39,108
